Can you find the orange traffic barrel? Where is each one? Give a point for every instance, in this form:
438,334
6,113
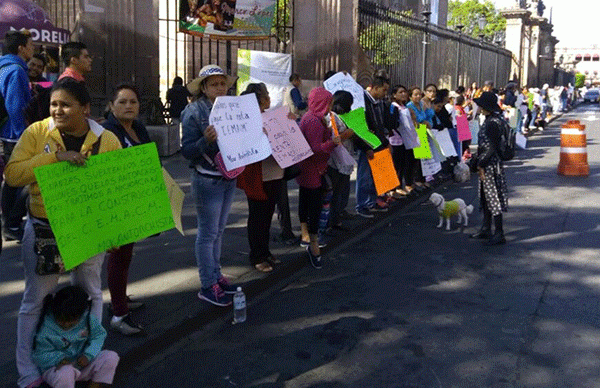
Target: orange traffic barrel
573,150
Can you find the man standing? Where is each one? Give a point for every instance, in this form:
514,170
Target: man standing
375,114
36,66
177,99
14,85
77,61
293,98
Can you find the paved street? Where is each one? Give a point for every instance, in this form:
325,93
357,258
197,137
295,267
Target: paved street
399,303
407,305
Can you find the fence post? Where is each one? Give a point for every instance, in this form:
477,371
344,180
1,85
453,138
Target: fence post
426,15
459,28
479,81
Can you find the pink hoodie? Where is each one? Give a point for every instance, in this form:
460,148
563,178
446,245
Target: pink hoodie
319,138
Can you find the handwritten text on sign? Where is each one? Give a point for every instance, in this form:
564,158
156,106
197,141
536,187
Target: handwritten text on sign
117,198
239,130
341,81
287,141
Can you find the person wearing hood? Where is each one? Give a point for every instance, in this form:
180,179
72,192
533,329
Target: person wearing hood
16,94
492,180
312,169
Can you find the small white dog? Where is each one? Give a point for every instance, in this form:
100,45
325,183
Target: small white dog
448,209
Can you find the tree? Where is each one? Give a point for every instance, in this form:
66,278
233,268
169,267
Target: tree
467,13
386,41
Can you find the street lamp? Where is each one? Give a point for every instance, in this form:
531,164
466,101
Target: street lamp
482,23
459,27
426,14
498,41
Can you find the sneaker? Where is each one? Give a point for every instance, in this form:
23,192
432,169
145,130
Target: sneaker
215,295
304,244
366,213
125,325
134,304
379,208
315,261
13,234
227,287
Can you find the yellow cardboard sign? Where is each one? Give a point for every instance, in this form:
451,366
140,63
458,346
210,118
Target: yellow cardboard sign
176,196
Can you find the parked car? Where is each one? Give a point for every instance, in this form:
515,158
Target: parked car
591,95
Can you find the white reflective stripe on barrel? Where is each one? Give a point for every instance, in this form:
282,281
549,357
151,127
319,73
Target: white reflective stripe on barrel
573,150
572,131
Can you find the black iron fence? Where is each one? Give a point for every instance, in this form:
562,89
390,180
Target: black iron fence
415,52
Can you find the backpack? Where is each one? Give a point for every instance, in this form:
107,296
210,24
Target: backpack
507,143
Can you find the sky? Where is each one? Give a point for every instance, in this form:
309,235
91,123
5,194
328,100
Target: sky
576,22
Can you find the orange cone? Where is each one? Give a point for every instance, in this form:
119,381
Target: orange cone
573,150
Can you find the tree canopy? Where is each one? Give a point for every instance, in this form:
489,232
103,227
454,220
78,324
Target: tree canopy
467,13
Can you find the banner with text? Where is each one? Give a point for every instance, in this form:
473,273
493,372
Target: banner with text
117,198
227,19
341,81
423,151
287,141
239,128
273,69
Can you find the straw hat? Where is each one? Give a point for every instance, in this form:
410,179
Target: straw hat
208,71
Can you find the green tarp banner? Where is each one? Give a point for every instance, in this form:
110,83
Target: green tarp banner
117,198
357,121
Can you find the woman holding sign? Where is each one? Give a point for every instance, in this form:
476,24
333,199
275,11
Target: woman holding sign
314,128
67,135
122,121
212,191
262,182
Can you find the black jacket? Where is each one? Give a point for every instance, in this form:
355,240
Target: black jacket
489,140
113,125
380,121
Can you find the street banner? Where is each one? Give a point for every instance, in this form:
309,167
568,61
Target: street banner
288,144
430,167
436,150
239,128
117,198
357,121
423,151
273,69
227,19
512,117
407,131
176,196
341,81
521,141
462,125
26,14
445,143
384,173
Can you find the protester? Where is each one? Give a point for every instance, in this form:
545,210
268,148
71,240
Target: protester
341,163
213,193
312,169
262,183
293,97
35,68
16,95
422,116
177,99
66,136
492,181
429,96
366,195
77,61
68,342
403,158
122,121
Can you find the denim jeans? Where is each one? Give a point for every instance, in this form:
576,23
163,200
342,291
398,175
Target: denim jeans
365,187
87,275
213,198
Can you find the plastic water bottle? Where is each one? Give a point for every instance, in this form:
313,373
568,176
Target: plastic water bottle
239,306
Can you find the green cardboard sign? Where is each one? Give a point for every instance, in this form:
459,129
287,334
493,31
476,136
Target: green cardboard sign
357,121
117,198
423,151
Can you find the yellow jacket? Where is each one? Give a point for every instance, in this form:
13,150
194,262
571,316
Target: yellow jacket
37,147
